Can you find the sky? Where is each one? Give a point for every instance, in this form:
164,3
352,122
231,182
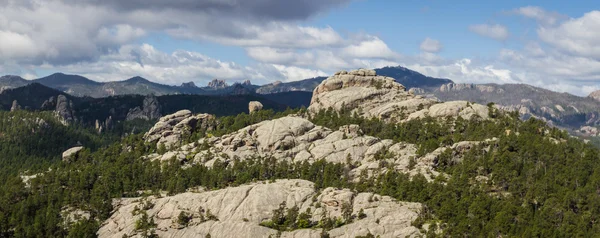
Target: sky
550,44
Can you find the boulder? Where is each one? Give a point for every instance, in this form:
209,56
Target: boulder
238,212
71,153
254,106
371,96
170,129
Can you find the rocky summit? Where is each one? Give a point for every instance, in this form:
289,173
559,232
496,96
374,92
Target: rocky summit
363,92
168,131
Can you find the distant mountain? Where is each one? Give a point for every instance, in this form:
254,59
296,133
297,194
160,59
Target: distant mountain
81,86
410,78
306,85
560,109
31,96
11,81
88,110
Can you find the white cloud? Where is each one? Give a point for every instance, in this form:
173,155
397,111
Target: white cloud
16,46
466,71
578,36
292,73
373,47
496,31
178,67
430,45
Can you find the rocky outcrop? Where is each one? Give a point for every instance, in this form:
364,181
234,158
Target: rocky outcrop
254,106
170,129
246,83
64,110
363,92
102,126
589,131
49,104
595,95
238,212
217,84
188,85
71,154
150,110
296,139
15,106
456,87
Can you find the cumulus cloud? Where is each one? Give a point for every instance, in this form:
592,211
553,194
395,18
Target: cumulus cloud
466,71
495,31
578,36
430,45
178,67
373,47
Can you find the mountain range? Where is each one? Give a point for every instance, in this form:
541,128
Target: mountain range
80,86
564,110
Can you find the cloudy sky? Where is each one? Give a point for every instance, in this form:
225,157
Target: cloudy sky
552,44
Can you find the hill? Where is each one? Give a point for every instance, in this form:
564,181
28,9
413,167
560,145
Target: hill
559,109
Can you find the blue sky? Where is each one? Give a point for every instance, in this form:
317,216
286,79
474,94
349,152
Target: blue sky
551,44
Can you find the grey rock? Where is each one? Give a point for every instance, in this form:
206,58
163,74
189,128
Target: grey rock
71,153
15,106
254,106
217,84
150,110
64,110
170,129
371,96
240,210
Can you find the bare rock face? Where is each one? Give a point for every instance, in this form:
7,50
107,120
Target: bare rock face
64,110
170,129
254,106
589,131
238,212
49,104
150,110
15,106
372,96
296,139
71,153
217,84
595,95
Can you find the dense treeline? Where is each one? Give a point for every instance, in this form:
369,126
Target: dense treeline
33,140
535,181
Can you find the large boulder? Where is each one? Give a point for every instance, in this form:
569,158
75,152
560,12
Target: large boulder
254,106
71,154
170,129
238,212
365,93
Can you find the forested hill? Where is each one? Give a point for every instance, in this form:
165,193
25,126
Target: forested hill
519,187
427,169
